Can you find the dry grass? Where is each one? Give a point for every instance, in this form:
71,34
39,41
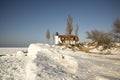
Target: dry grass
82,48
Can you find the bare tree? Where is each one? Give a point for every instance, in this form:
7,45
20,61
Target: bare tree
48,35
116,29
94,35
77,29
102,38
69,27
117,25
53,37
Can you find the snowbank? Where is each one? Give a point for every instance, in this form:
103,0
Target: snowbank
45,62
67,63
55,63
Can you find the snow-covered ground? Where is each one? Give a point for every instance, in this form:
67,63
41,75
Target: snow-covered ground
11,51
50,62
12,63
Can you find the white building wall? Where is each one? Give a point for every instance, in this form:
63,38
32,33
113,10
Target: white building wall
73,42
59,40
56,40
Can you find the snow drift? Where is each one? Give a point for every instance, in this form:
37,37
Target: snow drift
56,63
50,62
53,60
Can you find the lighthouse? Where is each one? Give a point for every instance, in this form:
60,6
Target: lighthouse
56,38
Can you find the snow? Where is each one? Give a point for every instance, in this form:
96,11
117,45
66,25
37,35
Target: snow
68,63
12,66
99,50
50,62
31,66
11,51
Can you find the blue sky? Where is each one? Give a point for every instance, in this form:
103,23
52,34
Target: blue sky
25,21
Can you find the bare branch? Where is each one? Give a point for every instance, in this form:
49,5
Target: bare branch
69,27
77,29
47,35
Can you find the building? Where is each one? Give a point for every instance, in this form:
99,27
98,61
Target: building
66,39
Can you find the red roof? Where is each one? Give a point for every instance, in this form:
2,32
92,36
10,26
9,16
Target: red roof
68,37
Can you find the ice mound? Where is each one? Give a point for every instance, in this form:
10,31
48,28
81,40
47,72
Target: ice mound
41,57
37,47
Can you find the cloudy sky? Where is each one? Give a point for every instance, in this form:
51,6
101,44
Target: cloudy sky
25,21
